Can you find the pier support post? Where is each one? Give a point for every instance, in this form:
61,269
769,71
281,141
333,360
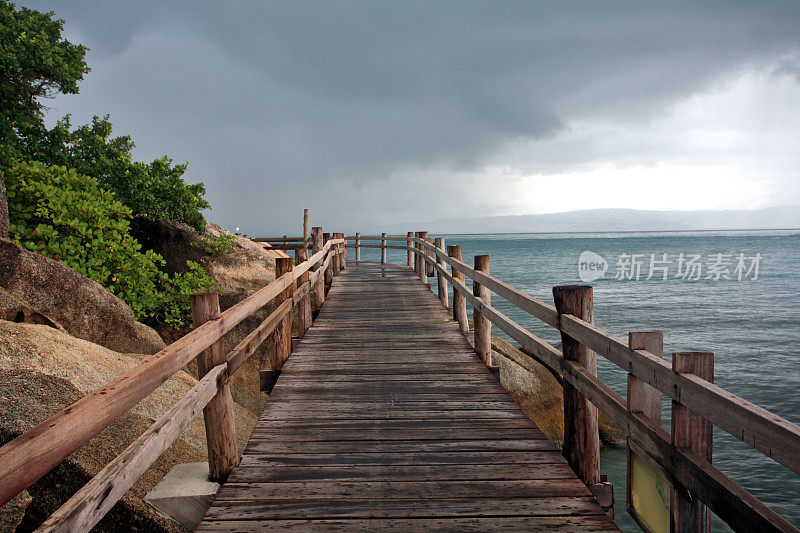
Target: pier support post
383,248
417,258
581,435
331,270
319,286
342,251
692,432
431,270
644,400
358,247
304,305
218,413
283,332
483,328
423,266
459,300
441,282
409,253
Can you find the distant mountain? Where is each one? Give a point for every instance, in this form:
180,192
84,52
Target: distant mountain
606,220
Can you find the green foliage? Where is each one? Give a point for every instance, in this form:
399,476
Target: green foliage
65,215
155,190
222,244
35,63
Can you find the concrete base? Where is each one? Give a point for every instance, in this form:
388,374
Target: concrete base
184,494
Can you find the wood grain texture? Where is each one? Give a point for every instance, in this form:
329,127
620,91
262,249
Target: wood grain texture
218,413
87,506
319,282
384,413
581,434
691,432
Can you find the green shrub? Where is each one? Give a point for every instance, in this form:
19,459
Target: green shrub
216,245
66,216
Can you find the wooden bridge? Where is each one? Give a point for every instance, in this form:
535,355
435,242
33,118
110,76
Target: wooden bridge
388,413
383,417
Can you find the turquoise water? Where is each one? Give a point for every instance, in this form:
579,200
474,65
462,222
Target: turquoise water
752,325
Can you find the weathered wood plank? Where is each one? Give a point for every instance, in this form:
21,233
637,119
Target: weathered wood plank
384,411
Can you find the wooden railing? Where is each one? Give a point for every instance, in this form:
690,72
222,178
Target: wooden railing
31,455
684,455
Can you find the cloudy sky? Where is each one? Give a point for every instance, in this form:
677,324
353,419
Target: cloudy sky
369,113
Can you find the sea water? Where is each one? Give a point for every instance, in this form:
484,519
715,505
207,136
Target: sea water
736,294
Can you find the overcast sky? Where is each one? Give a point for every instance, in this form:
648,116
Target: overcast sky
373,112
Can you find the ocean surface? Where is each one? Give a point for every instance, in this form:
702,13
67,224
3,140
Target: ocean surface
751,321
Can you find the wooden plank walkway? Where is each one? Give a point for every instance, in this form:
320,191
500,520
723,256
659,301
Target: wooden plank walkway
384,417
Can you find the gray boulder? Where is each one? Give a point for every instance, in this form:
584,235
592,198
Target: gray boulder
56,294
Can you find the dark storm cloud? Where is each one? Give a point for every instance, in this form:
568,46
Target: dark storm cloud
275,97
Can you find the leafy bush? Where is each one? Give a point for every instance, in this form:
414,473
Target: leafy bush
66,216
216,245
156,190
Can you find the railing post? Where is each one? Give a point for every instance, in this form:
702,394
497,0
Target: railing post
459,300
431,270
417,258
409,253
304,305
337,251
423,266
283,332
331,270
691,432
383,248
343,249
218,414
482,335
319,286
358,247
644,400
581,436
441,282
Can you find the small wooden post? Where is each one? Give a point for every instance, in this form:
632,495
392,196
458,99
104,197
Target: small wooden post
642,399
218,414
692,432
431,270
330,271
383,248
423,265
441,282
319,287
358,247
459,300
304,305
409,253
581,435
417,259
305,228
337,254
283,333
343,248
483,328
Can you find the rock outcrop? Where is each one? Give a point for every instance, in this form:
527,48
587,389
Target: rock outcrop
248,267
42,371
4,222
82,307
541,395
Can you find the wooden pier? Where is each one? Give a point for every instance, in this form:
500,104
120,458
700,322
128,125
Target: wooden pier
388,414
384,417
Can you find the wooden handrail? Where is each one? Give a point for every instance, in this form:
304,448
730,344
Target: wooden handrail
764,431
87,506
28,457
